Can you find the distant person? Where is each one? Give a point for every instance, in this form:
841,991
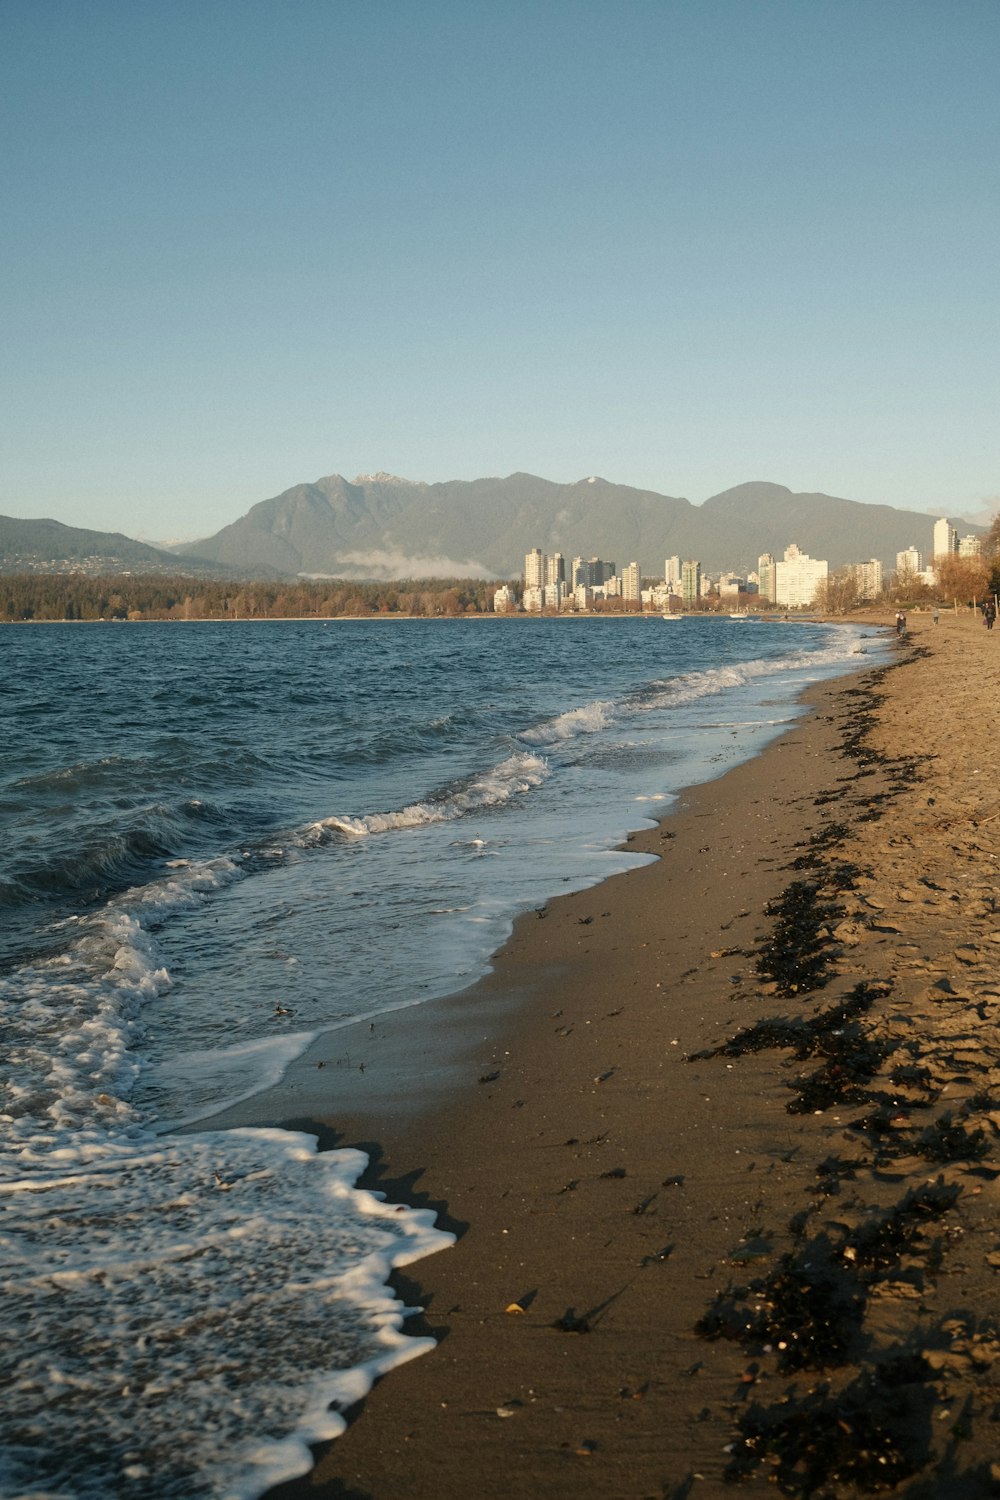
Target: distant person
934,617
900,622
990,615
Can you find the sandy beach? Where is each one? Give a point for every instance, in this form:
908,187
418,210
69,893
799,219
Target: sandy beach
718,1139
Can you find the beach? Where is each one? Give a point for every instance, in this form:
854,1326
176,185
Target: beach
716,1138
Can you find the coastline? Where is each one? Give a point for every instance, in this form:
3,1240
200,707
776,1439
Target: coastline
609,1183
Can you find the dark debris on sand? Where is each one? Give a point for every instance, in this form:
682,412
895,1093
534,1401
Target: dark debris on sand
868,1427
872,1435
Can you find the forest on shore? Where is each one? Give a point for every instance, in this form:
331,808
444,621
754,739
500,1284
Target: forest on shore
76,596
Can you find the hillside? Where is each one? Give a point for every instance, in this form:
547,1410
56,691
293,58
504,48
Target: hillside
379,527
45,546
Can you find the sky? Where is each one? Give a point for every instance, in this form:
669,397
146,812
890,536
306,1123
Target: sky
681,244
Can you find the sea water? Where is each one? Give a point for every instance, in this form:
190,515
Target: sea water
220,840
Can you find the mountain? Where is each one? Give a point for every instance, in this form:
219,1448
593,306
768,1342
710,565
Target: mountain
50,547
379,526
759,517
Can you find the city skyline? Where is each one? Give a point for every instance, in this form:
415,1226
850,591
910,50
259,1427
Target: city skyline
793,580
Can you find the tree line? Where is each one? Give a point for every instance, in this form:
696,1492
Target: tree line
76,596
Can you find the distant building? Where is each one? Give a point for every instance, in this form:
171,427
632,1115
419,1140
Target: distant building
869,578
970,546
730,584
798,577
766,576
909,562
672,570
534,569
945,538
594,572
504,600
631,581
533,598
552,596
691,581
555,568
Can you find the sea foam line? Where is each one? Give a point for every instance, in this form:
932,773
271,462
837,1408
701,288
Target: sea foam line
510,778
249,1309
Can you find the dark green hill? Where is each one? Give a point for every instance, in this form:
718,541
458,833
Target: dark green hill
379,526
45,546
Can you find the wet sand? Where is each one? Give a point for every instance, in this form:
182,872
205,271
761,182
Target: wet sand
718,1138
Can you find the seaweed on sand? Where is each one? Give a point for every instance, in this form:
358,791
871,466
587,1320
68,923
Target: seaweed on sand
852,1058
872,1435
808,1310
806,1038
797,954
947,1140
879,1244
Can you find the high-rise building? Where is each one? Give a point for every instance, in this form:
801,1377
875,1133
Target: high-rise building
555,568
798,577
631,581
909,562
945,538
970,546
534,569
868,576
690,581
672,570
766,576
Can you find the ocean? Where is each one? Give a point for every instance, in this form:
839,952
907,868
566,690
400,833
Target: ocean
220,840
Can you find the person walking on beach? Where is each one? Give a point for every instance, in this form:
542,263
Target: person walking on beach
990,614
900,622
934,617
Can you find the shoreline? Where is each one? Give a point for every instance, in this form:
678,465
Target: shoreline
769,616
531,1165
614,1181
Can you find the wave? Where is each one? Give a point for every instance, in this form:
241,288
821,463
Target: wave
588,719
151,1275
512,777
102,858
688,687
73,1021
685,688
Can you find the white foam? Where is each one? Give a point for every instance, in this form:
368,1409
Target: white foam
511,778
73,1022
590,718
189,1308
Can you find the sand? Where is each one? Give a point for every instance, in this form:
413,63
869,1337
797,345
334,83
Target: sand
718,1138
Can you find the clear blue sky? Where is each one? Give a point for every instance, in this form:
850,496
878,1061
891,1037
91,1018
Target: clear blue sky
678,243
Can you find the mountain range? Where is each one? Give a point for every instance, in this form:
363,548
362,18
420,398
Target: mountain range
379,526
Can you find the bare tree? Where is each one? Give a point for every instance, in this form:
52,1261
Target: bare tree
839,592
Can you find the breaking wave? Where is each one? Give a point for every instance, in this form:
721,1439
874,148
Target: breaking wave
511,778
